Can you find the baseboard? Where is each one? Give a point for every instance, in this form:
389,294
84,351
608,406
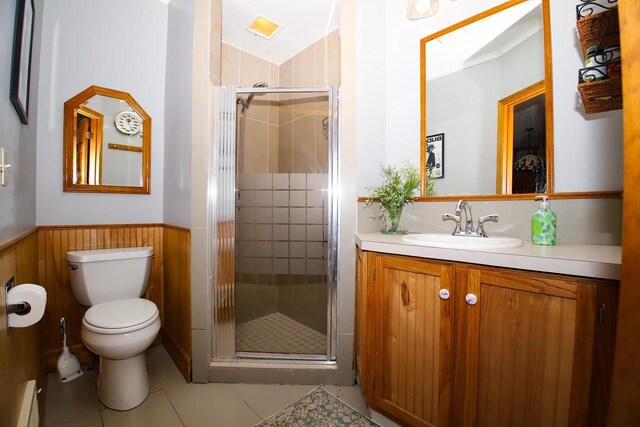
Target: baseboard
51,356
179,356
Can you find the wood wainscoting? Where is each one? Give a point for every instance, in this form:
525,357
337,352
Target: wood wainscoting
176,327
53,244
20,351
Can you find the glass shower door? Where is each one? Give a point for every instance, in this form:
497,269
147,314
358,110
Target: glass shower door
284,288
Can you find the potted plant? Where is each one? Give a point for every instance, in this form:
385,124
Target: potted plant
396,191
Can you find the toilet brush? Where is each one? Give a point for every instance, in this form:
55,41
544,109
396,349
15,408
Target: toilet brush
68,365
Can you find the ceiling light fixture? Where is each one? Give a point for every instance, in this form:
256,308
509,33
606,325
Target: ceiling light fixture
418,9
264,27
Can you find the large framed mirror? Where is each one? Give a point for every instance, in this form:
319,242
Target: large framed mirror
486,89
107,143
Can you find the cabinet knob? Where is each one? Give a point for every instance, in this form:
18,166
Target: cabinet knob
471,299
444,294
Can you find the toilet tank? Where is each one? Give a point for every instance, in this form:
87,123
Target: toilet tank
104,275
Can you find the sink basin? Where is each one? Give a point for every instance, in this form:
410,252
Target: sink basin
449,241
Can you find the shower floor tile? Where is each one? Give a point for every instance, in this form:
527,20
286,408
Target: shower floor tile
277,333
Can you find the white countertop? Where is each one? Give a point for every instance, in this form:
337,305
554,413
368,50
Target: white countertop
595,261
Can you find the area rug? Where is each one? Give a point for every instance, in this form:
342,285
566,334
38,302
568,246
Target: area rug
317,409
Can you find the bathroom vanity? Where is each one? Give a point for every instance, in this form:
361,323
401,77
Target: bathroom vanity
459,337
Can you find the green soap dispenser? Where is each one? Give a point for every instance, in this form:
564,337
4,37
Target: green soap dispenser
543,224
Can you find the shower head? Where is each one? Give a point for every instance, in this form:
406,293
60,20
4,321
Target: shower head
245,103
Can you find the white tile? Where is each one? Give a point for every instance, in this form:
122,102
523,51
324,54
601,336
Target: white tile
264,181
314,266
163,368
247,249
264,215
211,405
315,250
263,249
280,198
314,215
280,232
298,181
91,420
314,233
297,249
247,231
314,198
247,198
264,198
246,181
156,411
314,181
281,266
281,181
297,216
268,399
280,249
297,198
281,215
264,232
297,232
247,215
72,400
264,266
297,266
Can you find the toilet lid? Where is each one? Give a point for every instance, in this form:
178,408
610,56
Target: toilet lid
116,316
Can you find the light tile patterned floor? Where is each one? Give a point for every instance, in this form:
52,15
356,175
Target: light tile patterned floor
277,333
173,402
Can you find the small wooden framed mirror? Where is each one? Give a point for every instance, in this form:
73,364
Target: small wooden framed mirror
107,143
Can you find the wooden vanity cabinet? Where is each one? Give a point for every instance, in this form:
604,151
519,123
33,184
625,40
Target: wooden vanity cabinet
521,355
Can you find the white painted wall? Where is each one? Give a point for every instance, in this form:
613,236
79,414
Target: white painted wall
588,148
18,199
177,125
371,89
98,44
588,152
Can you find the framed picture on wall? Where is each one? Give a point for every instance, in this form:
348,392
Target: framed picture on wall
21,63
435,155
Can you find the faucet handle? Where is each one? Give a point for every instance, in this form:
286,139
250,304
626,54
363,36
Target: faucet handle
482,219
456,218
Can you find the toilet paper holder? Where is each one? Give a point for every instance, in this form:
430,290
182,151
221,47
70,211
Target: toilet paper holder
20,308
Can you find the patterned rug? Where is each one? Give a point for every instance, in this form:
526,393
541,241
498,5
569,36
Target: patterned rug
317,409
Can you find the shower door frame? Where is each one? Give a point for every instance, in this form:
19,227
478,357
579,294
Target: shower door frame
228,330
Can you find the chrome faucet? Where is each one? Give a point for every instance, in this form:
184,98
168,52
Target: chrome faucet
468,217
468,229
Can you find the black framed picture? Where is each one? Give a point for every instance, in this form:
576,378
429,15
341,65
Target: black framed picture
21,63
435,155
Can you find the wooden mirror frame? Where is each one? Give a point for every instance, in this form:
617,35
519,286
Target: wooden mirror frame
70,115
548,89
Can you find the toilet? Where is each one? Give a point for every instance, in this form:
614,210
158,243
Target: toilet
119,325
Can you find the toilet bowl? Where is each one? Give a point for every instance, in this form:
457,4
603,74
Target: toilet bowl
120,332
119,325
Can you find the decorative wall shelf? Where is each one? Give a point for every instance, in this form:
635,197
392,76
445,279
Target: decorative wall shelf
600,81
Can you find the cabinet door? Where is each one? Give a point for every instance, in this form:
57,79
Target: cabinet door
523,352
413,340
365,327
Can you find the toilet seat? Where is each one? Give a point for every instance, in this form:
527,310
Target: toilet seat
120,316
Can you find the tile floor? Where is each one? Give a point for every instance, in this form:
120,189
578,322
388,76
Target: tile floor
277,333
173,402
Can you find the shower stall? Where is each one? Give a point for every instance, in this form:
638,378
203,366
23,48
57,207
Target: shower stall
273,221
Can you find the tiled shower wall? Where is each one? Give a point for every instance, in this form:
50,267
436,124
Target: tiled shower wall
281,263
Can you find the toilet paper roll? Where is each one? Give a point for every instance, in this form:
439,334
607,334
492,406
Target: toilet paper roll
35,295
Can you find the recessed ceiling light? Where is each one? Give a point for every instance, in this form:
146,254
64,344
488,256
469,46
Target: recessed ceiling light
264,27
